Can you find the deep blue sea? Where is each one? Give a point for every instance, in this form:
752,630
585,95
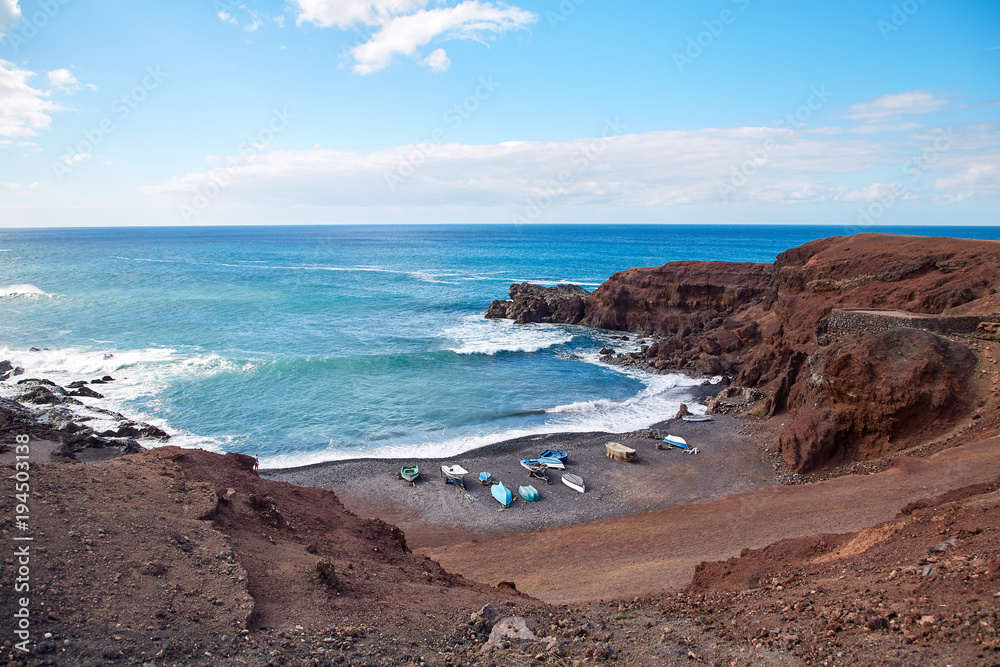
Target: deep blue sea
306,344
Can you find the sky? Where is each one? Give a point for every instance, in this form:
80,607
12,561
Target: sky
859,112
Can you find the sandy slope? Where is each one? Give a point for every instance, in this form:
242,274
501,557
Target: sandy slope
657,552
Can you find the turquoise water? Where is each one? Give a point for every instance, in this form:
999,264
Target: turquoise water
315,343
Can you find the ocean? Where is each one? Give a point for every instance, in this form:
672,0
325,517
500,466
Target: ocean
308,344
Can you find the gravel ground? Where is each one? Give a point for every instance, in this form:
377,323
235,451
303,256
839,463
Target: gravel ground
432,513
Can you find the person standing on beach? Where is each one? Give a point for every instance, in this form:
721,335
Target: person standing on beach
256,461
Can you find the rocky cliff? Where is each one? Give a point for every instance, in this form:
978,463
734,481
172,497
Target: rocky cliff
764,327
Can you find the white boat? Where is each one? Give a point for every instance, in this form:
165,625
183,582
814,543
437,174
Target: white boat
454,474
676,441
696,418
551,462
574,482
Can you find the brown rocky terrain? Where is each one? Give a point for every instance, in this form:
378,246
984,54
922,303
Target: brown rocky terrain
842,396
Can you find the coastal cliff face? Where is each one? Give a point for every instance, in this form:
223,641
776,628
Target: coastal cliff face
764,327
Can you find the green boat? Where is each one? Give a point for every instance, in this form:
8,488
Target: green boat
410,473
529,493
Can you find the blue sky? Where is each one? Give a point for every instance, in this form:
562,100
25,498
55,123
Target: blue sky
395,111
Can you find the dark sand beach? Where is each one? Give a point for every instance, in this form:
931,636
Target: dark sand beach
433,513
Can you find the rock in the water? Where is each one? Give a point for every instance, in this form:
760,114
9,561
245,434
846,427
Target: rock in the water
682,411
40,395
85,391
536,303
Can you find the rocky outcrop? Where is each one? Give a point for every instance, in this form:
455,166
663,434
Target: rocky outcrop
535,303
764,326
862,397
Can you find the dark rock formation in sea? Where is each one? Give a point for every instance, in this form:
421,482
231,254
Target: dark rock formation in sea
535,303
768,328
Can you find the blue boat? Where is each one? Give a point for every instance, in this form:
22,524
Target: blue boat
554,454
551,462
502,494
485,478
529,493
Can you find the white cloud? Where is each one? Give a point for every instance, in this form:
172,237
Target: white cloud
346,13
405,34
403,26
893,107
24,110
655,169
254,18
64,80
10,14
437,61
73,159
877,191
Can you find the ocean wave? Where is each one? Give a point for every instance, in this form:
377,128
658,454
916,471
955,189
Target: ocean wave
658,400
584,407
24,290
138,374
478,335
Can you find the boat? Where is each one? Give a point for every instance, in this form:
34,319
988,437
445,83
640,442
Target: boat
676,441
528,492
574,482
533,465
535,469
485,478
502,494
618,451
454,475
554,454
410,473
551,462
696,418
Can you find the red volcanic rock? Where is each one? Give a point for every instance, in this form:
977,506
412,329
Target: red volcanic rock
865,396
663,300
767,326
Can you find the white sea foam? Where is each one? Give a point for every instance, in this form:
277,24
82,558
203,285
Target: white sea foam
553,283
142,373
25,290
584,407
478,335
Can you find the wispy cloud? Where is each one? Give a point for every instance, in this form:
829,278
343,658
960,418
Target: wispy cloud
402,27
890,108
253,19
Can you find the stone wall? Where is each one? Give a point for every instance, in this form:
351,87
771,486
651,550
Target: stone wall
861,323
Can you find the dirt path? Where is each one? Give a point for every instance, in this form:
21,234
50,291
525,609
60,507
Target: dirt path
656,552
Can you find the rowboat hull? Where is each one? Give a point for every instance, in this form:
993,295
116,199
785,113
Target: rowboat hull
529,493
409,473
574,482
554,454
502,494
676,441
551,462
